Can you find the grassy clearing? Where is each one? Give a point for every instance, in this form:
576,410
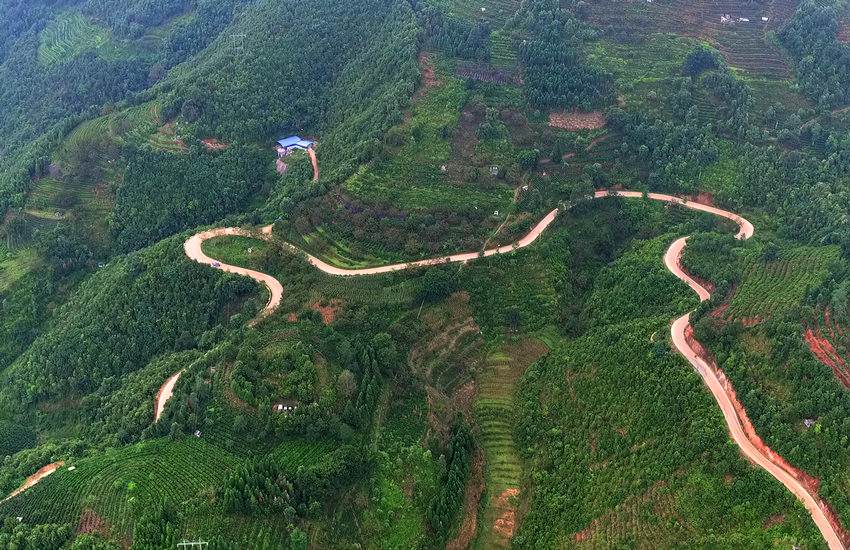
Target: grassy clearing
770,287
14,264
406,479
69,35
241,251
723,178
304,284
412,177
336,251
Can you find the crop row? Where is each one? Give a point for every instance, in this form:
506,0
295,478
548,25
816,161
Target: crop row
769,287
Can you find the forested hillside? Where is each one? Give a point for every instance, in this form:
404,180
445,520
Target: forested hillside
209,336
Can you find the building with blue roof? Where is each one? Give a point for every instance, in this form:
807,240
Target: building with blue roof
291,143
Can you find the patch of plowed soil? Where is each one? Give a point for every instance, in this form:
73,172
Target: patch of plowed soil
471,500
90,522
577,120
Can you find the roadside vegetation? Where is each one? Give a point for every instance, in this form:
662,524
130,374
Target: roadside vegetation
529,399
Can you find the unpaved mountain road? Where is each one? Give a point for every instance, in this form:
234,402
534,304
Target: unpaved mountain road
740,429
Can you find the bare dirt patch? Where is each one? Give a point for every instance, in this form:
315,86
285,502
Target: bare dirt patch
826,353
212,144
577,120
429,76
505,524
328,310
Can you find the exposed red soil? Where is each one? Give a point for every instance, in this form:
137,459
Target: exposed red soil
212,144
315,162
703,198
292,317
328,310
720,311
750,322
90,522
471,500
825,352
577,120
811,483
505,524
429,76
42,473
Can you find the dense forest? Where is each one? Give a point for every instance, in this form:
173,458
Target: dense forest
526,399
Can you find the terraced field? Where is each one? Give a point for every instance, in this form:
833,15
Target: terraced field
767,288
451,348
743,40
494,412
502,49
69,35
117,485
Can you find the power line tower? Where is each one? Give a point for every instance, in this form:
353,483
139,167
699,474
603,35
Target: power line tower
192,545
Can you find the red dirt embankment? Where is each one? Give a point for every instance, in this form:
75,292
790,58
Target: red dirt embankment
810,483
825,352
42,473
164,394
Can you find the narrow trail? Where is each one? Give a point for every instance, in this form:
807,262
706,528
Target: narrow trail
42,473
739,426
164,394
312,154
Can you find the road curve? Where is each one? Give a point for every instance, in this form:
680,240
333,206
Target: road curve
768,460
193,247
724,395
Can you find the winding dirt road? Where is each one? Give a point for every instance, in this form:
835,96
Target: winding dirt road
740,428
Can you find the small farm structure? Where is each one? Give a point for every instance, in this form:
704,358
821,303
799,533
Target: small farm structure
287,145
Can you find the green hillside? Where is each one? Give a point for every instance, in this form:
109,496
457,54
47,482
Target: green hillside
200,339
